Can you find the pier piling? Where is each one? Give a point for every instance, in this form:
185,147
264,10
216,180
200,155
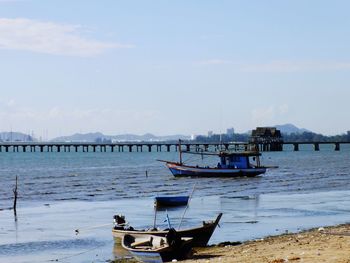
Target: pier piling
296,147
337,146
317,146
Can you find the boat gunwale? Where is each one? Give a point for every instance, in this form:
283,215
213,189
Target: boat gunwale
206,225
147,250
157,232
177,164
227,153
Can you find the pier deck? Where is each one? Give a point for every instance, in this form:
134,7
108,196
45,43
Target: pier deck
143,146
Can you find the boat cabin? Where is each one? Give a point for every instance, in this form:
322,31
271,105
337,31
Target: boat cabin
238,160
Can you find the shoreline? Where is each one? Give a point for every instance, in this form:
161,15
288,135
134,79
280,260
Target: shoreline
324,244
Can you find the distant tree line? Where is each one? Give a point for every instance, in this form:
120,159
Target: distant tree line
293,137
315,137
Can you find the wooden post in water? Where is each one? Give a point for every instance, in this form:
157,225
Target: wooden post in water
15,192
337,146
180,151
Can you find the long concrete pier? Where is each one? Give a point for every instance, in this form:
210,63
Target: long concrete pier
144,146
108,147
316,145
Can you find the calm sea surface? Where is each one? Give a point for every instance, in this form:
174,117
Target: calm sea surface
60,192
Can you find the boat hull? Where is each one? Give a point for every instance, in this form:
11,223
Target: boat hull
179,248
200,235
182,170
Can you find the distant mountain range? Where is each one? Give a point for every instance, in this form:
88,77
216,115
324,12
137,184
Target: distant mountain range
97,136
290,128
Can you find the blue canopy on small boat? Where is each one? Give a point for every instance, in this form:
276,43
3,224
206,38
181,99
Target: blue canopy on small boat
171,200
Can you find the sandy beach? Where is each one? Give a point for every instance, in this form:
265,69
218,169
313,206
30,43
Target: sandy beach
329,244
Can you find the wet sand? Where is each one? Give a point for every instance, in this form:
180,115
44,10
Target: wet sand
329,244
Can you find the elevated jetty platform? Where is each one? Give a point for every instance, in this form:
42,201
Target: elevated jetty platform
150,146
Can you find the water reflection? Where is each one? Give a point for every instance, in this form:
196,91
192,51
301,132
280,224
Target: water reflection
244,209
120,253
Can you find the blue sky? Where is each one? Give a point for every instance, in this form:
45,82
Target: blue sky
176,66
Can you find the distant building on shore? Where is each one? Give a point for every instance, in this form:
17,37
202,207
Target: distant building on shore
15,137
230,131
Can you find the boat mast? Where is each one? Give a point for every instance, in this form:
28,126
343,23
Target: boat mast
180,151
155,217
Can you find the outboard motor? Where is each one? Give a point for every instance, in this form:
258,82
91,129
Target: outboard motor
173,238
119,221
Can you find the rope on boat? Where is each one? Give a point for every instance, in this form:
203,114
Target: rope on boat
77,231
74,255
183,215
194,158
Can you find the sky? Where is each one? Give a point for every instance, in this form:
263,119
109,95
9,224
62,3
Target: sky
173,66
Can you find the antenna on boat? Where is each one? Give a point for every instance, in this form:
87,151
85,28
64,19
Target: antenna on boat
167,219
221,144
221,130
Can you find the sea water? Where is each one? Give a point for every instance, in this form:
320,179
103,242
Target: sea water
62,192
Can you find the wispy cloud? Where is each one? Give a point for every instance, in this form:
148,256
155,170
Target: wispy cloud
23,118
279,66
214,62
212,36
269,114
10,109
50,38
296,66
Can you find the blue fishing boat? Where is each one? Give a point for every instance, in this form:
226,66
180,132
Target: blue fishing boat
164,201
231,164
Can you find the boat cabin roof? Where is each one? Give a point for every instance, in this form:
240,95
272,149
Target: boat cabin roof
245,153
228,153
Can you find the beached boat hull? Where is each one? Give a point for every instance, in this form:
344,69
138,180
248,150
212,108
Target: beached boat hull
175,248
200,235
183,170
165,201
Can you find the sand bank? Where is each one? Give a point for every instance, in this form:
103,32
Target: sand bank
329,244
